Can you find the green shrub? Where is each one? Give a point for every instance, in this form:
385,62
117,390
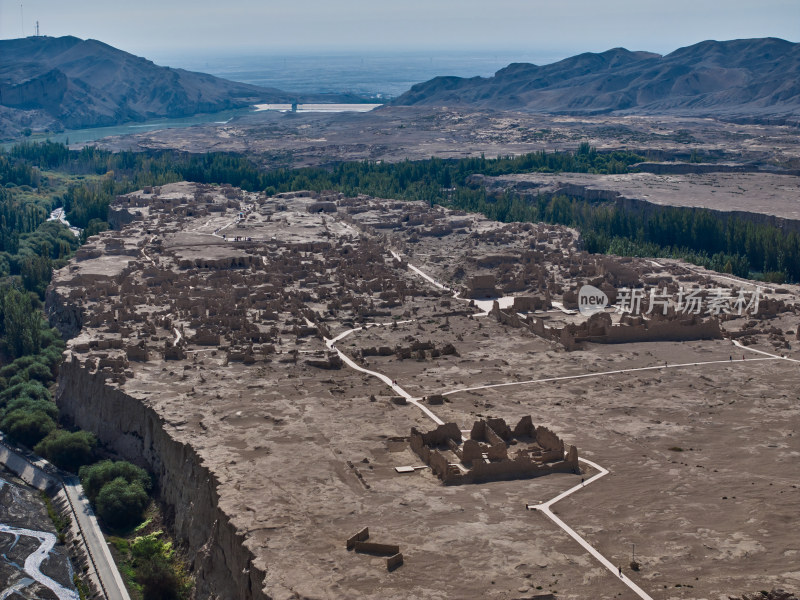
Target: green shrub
121,504
67,450
22,363
146,547
161,576
31,389
39,372
159,580
94,477
27,428
52,356
18,379
32,405
51,337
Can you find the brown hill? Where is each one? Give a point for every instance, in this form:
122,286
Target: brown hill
67,82
754,79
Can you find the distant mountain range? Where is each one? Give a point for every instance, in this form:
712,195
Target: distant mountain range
751,80
56,83
49,84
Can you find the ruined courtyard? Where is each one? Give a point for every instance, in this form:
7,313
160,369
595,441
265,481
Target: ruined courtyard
234,343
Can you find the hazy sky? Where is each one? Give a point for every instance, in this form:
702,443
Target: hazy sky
156,28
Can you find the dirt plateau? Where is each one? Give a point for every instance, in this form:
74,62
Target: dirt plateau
198,347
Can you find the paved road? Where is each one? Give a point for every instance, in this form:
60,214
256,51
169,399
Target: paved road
111,582
110,578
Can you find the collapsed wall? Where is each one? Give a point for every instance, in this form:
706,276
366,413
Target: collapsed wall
493,452
599,329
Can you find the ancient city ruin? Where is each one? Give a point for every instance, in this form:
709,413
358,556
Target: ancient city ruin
233,343
493,451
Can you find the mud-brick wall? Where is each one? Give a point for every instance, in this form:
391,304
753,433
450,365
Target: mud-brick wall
223,566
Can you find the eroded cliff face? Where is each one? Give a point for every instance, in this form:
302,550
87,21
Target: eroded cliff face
223,565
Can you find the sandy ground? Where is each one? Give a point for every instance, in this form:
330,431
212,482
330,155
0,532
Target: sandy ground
703,458
764,193
397,133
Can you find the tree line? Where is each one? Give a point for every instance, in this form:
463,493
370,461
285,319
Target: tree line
725,243
36,179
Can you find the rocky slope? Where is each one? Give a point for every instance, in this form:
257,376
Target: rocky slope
66,82
752,79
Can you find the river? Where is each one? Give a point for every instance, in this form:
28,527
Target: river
32,564
61,216
91,134
81,137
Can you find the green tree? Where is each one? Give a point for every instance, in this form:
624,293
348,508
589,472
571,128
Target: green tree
94,477
67,450
31,405
31,389
22,324
121,504
27,428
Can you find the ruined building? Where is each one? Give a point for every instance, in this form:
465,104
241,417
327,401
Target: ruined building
493,451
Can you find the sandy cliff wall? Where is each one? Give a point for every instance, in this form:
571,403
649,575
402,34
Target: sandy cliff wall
222,564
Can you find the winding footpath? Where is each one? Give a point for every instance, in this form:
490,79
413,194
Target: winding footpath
773,356
385,379
601,373
544,507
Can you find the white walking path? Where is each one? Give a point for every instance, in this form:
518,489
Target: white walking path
545,509
392,384
420,273
600,373
774,356
397,389
566,311
545,506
